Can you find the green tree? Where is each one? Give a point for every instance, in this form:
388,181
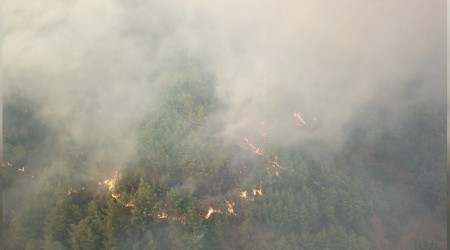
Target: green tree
146,207
89,232
59,220
116,225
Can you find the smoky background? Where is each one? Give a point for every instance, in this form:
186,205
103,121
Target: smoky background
358,72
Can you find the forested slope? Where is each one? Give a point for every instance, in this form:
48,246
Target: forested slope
185,188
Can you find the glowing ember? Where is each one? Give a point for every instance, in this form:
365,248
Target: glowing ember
230,208
255,149
252,194
75,190
181,219
298,119
116,196
163,214
130,204
276,165
7,164
257,191
211,211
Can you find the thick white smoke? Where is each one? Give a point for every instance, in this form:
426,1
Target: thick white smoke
97,65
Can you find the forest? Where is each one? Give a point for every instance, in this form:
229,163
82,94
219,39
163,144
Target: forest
227,124
187,189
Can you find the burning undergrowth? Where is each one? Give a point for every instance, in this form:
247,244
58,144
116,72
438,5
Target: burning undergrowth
231,126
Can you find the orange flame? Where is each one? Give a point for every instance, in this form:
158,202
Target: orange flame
211,211
111,183
230,208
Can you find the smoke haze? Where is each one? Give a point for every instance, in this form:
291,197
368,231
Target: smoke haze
97,69
269,59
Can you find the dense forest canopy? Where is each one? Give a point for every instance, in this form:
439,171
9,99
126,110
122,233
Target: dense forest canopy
187,189
181,128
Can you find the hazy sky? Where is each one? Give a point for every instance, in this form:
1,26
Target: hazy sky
97,65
